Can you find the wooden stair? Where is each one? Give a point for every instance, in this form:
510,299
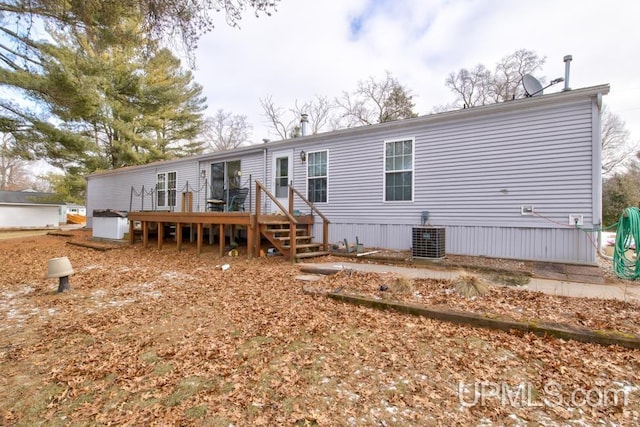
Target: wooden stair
278,233
290,233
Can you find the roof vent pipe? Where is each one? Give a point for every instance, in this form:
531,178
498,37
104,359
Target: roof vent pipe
304,123
567,66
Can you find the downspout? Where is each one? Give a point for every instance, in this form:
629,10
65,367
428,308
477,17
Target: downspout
198,187
264,171
597,170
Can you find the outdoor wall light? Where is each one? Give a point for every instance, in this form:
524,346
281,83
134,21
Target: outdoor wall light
203,174
60,268
303,156
239,173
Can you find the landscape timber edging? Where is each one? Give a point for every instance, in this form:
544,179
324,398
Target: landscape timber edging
95,246
541,329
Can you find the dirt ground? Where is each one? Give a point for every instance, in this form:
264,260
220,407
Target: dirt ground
14,234
148,337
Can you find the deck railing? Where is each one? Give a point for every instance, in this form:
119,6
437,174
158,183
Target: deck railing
142,194
325,220
290,217
260,188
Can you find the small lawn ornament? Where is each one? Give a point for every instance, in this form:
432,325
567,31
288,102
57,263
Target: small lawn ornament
60,268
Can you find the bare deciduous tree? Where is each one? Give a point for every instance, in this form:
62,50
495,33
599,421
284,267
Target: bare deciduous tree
372,102
14,173
42,184
480,86
376,101
617,148
319,111
470,86
226,131
508,74
286,122
276,117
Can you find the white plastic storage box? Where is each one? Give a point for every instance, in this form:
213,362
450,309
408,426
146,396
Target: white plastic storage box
110,224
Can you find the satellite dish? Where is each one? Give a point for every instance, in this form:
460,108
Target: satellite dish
531,85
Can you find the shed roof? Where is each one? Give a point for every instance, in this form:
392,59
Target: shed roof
30,198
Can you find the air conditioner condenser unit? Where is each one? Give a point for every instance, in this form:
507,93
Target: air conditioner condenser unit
428,242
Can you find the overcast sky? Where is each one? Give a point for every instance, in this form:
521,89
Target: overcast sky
311,47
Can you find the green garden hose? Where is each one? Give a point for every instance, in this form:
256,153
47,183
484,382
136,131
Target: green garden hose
627,235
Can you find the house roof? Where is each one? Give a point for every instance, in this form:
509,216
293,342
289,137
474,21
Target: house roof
30,198
459,114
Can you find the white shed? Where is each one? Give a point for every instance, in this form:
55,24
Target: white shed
29,209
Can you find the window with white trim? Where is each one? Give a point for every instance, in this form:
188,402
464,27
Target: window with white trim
166,189
317,176
398,170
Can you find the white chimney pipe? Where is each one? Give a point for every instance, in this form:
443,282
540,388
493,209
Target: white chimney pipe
567,66
304,122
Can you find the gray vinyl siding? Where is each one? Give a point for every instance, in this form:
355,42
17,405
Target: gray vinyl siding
251,165
114,189
473,176
481,173
473,170
470,173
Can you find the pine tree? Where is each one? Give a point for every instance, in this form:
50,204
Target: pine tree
173,105
92,82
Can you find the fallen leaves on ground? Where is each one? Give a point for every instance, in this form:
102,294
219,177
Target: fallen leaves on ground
500,301
157,337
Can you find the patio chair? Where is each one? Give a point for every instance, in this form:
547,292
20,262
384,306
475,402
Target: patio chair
216,204
237,198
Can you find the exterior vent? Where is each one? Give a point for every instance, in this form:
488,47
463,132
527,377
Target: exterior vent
428,242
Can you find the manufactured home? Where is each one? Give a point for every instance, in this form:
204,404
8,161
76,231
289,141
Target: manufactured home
519,179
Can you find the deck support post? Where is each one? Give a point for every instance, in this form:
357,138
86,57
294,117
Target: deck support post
251,250
198,222
145,234
256,229
160,234
179,236
199,239
325,236
131,231
221,239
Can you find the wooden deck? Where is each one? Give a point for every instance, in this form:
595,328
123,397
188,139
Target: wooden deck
198,221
